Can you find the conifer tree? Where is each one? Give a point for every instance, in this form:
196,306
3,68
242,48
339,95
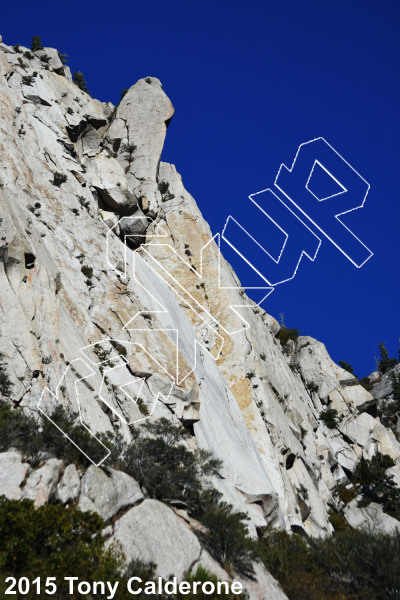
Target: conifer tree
79,80
36,43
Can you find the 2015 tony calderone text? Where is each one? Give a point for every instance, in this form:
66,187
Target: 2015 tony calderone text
48,586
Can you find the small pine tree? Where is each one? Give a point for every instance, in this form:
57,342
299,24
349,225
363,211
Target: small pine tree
63,58
385,362
36,43
346,366
79,80
123,93
129,149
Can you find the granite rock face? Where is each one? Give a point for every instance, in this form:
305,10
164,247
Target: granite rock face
79,178
152,532
108,494
12,474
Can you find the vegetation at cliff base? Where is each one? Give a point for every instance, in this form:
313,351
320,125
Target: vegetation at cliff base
351,565
227,539
53,541
165,467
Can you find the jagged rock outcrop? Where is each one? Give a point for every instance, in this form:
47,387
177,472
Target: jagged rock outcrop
71,169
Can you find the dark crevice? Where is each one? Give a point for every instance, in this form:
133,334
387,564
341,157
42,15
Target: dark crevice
290,461
29,260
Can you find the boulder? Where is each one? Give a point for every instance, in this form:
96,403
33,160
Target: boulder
384,387
90,141
386,440
54,60
358,396
107,176
108,493
152,532
264,587
12,474
69,486
111,219
116,133
336,401
42,483
38,92
374,377
317,366
395,472
358,429
343,452
135,227
371,517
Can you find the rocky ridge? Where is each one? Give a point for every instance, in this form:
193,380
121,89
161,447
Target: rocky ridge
71,168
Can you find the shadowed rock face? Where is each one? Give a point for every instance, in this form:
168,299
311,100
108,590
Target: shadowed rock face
252,407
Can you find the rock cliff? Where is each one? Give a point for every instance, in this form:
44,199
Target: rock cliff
103,249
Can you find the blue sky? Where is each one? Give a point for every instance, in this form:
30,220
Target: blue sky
250,82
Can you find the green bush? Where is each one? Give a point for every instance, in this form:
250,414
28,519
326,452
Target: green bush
375,485
63,58
227,539
16,430
50,439
35,439
36,43
351,565
163,188
389,409
52,541
203,575
312,387
388,412
142,406
366,384
285,335
129,149
83,202
87,271
5,383
59,179
158,459
338,521
27,79
396,386
345,494
329,417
